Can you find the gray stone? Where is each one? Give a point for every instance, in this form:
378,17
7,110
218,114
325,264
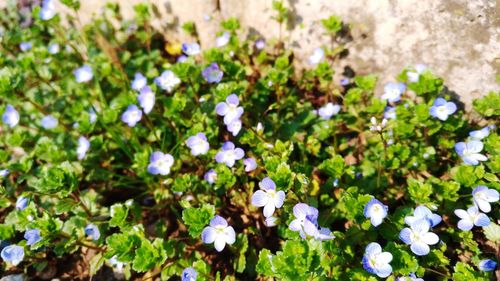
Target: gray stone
457,39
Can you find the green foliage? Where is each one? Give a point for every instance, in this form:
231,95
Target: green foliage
197,218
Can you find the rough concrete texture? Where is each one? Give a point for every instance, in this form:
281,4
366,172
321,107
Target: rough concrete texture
457,39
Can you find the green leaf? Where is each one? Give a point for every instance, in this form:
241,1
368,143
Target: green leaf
149,255
333,167
197,218
419,191
492,232
119,213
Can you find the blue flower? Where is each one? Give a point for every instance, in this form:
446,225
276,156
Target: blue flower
82,148
219,233
25,46
393,91
10,116
49,122
260,44
470,218
418,237
191,49
422,212
229,154
53,48
22,203
483,196
234,127
93,231
306,220
198,144
160,163
212,74
230,109
83,74
375,211
268,197
414,74
189,274
328,110
469,152
48,10
167,80
390,112
250,164
480,134
377,262
132,115
222,40
4,173
317,56
442,109
13,254
32,236
139,81
210,176
487,265
344,81
146,99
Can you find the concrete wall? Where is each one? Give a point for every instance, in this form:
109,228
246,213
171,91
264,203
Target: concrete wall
457,39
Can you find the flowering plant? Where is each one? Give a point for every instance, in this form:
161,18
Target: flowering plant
126,152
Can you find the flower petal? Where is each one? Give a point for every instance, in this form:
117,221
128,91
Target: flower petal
267,184
300,210
260,198
465,224
229,235
372,249
420,248
219,243
405,235
269,209
208,235
430,238
279,199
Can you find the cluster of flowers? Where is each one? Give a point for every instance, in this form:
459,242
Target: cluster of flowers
417,235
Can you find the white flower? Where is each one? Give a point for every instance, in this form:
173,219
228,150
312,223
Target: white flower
139,81
83,147
222,40
419,237
328,110
146,99
393,92
167,80
229,154
470,152
83,74
49,122
376,211
470,218
198,144
317,56
480,134
268,197
219,233
377,262
483,196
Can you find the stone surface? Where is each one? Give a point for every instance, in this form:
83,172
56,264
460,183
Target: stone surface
457,39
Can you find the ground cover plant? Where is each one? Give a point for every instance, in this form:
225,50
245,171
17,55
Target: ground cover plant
127,155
